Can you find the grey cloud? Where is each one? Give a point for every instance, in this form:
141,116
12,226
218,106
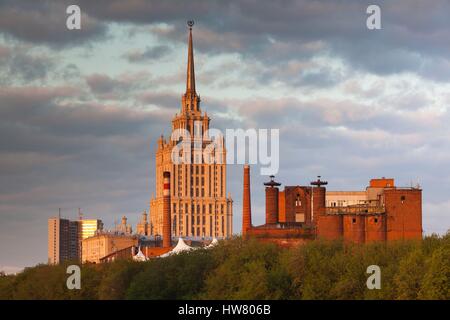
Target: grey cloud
100,83
60,153
271,32
106,87
18,64
163,100
44,22
150,53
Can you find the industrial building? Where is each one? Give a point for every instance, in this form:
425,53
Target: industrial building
382,212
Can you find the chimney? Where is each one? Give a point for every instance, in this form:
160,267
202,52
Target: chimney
272,201
246,205
167,235
318,198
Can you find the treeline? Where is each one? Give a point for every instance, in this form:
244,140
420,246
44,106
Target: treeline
239,269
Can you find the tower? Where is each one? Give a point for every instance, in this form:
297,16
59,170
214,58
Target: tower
199,203
272,201
246,202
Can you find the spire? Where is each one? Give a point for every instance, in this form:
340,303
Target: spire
190,80
190,101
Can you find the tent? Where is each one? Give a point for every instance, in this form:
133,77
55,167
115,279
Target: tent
180,247
140,256
213,243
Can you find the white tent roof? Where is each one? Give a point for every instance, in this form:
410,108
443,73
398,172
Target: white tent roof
140,256
213,243
180,247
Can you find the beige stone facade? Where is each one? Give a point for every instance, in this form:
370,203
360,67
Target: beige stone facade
96,247
200,206
143,226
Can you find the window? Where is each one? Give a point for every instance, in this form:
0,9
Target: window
298,202
354,220
375,220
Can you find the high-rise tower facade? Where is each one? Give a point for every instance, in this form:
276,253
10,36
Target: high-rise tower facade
200,206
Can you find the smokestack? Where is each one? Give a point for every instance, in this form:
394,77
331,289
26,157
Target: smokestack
246,205
272,201
167,235
318,198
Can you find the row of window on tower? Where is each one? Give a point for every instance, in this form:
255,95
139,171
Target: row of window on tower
201,209
198,228
197,182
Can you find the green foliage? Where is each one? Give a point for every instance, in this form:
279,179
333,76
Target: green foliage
410,273
6,287
117,279
436,281
250,269
246,270
176,277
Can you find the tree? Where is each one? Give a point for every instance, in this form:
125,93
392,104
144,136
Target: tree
410,274
436,281
117,278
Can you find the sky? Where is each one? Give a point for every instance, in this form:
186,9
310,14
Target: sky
81,110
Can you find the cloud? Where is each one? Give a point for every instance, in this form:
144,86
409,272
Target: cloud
58,152
105,87
44,22
19,64
150,53
163,100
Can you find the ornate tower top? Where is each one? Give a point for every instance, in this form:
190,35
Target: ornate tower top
190,80
190,101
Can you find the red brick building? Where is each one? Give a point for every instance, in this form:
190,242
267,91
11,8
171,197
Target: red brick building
299,213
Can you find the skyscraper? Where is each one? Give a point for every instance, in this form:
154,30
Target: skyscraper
63,240
200,206
65,236
88,227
